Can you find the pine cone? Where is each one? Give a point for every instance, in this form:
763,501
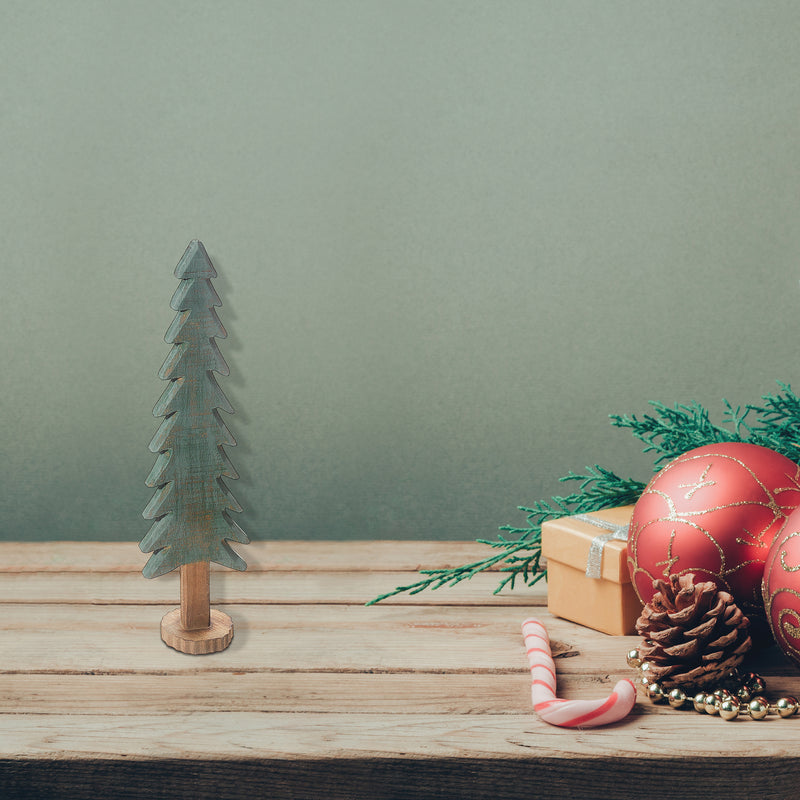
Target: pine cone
694,633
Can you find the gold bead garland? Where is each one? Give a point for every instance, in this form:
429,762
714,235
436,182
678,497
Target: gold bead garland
740,694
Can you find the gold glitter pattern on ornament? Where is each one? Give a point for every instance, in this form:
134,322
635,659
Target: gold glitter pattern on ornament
792,630
697,485
671,560
783,554
750,540
787,632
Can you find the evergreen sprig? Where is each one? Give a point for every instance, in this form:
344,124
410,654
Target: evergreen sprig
598,488
672,431
667,433
777,422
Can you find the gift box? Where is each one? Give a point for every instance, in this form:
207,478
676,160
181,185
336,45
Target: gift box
587,570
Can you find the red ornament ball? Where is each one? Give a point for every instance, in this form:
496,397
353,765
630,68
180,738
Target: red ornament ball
713,511
781,587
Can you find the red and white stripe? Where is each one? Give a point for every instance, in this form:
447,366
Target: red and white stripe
568,713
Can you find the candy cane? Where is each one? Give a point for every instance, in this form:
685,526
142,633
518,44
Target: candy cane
568,713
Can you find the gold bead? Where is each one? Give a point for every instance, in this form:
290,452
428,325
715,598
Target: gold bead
712,704
744,694
655,693
729,709
677,697
634,659
786,706
759,707
699,702
756,684
722,694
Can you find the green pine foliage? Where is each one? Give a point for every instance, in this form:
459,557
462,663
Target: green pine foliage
518,550
671,431
666,433
776,424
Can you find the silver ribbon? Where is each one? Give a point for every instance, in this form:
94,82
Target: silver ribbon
594,562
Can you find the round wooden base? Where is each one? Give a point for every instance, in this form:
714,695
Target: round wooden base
196,643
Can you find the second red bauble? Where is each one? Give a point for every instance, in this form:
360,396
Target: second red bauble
781,587
713,511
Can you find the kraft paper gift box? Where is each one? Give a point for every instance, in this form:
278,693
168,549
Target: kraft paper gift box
587,570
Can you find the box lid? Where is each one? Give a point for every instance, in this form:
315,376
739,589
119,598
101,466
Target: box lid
569,540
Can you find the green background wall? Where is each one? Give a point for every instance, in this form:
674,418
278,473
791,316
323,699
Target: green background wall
452,237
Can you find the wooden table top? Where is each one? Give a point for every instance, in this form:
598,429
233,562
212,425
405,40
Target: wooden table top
319,696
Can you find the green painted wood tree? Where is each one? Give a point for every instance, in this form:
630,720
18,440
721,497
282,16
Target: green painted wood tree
191,507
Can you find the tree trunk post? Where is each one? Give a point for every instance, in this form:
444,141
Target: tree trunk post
195,627
195,596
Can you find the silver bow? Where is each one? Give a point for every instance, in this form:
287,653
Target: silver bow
594,562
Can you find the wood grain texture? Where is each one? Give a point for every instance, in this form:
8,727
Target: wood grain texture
289,638
320,696
369,736
195,597
213,638
392,778
291,692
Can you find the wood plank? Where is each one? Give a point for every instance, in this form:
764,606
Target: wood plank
291,692
684,738
722,777
311,692
255,587
124,639
400,693
263,556
316,692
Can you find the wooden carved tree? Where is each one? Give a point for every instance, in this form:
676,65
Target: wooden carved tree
192,506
